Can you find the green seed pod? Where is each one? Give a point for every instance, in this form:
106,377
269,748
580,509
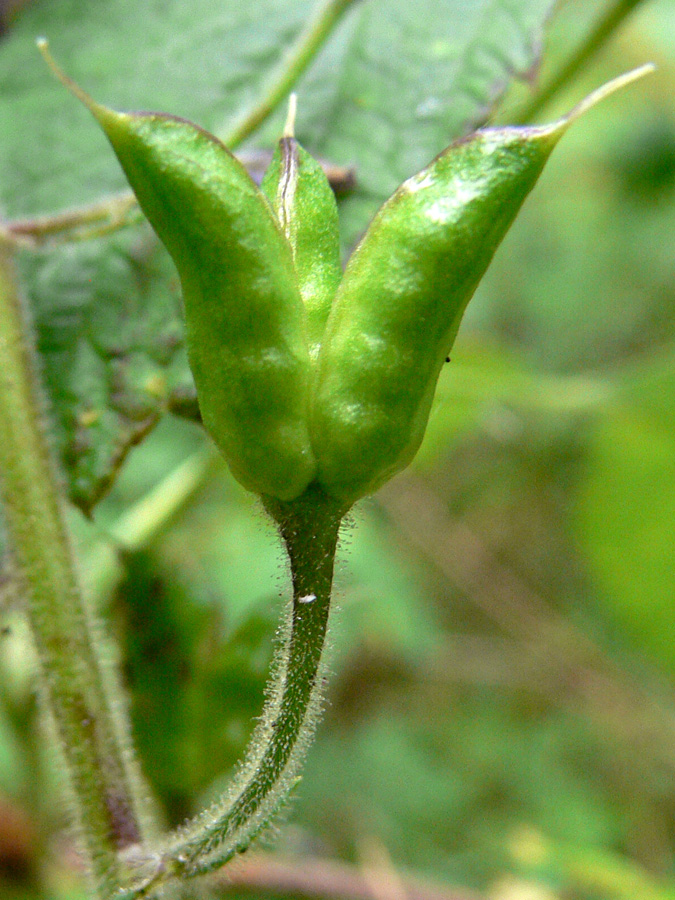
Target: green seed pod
244,315
304,204
405,289
299,380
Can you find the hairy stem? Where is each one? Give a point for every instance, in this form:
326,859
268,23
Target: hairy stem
309,529
74,683
609,21
292,66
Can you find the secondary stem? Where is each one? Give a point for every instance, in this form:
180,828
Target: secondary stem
122,210
290,69
270,875
77,224
74,684
145,520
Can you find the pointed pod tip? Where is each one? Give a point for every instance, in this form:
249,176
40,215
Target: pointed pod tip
98,111
596,96
551,134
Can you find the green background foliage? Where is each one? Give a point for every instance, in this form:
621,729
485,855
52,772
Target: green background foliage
502,712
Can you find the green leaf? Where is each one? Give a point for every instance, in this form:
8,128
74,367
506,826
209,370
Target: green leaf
110,338
395,84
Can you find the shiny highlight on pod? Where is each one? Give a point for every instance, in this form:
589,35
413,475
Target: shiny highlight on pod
307,377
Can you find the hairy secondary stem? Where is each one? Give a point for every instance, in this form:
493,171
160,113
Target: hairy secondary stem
309,528
75,685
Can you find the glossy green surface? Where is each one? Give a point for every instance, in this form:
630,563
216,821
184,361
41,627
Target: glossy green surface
244,314
258,291
401,301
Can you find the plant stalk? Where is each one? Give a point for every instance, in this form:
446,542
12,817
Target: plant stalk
75,685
